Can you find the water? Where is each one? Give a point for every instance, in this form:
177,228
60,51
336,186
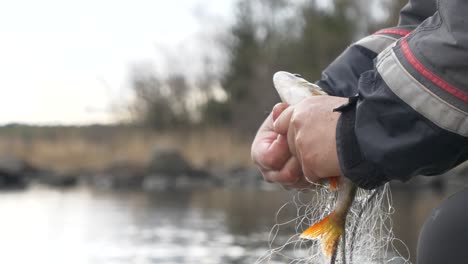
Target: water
84,226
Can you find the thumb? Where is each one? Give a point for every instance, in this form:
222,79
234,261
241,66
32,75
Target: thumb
278,109
281,125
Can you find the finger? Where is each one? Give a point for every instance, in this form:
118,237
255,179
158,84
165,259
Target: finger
291,139
290,174
281,124
278,109
267,125
272,155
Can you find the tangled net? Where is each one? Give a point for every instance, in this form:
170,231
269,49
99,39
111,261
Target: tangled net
368,236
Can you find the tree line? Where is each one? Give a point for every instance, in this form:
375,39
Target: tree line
266,36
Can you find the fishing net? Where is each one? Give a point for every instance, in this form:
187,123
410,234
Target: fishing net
368,236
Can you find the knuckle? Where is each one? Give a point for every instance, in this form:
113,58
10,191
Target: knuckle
263,162
296,120
299,117
299,140
269,161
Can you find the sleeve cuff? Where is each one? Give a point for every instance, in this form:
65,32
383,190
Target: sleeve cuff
353,165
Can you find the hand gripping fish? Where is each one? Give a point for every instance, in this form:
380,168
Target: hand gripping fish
292,89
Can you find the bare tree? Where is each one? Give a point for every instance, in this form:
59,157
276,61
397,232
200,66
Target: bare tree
160,104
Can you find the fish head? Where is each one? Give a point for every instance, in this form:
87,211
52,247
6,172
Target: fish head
292,88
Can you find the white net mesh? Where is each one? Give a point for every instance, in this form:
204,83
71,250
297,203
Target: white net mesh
368,236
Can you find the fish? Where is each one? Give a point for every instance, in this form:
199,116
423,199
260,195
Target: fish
292,89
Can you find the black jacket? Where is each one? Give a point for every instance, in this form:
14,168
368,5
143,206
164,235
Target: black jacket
409,87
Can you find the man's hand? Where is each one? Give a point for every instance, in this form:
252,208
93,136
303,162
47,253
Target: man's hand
270,151
310,128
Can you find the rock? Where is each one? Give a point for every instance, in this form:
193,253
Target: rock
168,169
59,180
121,174
168,162
16,166
15,173
156,182
241,177
120,181
159,182
12,181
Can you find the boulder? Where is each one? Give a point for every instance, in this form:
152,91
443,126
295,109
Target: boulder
15,172
168,169
168,162
16,166
59,180
120,174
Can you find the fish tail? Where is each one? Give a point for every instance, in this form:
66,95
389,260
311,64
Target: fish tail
329,229
333,182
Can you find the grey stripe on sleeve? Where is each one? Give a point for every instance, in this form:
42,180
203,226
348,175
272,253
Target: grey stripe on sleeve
420,98
376,43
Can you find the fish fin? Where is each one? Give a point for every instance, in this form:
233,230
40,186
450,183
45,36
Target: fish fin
334,182
329,230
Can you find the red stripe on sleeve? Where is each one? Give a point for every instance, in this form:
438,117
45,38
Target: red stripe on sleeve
430,75
394,31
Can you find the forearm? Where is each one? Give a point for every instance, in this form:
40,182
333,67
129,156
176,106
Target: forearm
411,114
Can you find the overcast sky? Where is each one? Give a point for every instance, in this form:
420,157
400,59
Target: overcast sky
68,61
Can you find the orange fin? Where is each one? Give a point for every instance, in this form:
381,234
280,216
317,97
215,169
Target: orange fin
329,230
334,182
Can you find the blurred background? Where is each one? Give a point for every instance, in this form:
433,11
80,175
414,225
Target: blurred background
125,126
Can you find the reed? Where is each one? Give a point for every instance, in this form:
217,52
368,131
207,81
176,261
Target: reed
72,148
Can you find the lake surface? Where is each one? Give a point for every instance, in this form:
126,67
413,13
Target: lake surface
42,225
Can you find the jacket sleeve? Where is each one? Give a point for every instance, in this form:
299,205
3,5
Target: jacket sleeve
410,115
341,77
416,11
